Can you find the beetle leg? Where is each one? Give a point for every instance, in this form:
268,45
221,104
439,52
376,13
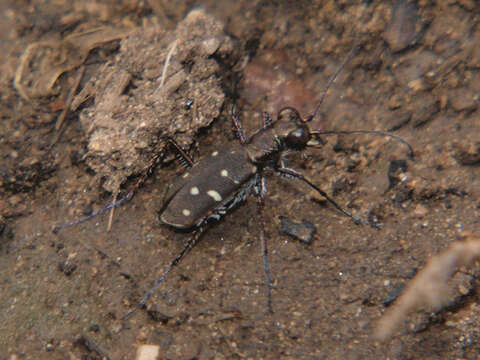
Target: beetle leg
148,170
238,127
182,155
267,120
293,174
189,245
260,191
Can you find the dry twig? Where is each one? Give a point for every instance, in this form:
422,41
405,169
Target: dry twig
429,289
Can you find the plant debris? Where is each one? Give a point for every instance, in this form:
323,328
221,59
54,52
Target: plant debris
44,62
140,96
429,289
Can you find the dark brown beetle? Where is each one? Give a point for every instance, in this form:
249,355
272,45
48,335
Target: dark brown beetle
219,182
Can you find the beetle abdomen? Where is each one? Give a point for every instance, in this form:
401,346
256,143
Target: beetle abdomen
208,186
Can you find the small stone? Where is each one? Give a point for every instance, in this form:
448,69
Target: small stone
467,152
463,100
147,352
303,231
424,110
405,26
420,211
209,46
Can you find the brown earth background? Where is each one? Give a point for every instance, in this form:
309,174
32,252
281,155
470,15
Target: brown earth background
416,74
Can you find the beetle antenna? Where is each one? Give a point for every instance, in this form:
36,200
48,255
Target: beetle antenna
317,133
330,82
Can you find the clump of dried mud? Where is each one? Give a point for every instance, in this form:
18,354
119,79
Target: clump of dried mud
142,96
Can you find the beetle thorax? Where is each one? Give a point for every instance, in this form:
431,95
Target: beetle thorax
287,132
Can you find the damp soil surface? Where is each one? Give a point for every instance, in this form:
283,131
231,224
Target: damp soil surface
162,71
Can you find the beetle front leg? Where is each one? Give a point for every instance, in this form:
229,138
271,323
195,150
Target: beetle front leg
293,174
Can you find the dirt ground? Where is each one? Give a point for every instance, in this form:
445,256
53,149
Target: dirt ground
416,74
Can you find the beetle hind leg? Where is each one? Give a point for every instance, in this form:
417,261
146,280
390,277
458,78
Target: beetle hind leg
260,192
189,245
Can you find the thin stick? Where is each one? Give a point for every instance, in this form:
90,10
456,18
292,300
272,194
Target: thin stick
429,289
167,62
112,211
61,118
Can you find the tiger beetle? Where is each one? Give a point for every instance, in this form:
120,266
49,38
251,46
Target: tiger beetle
213,186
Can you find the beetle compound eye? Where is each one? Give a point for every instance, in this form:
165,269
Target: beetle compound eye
298,138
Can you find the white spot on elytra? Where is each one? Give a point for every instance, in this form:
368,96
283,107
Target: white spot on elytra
254,169
214,195
186,212
194,190
215,153
185,175
224,173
